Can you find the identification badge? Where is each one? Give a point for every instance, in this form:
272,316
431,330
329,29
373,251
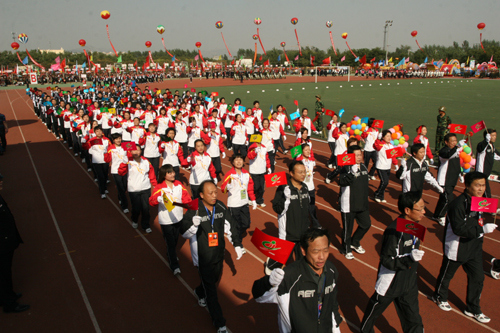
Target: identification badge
213,240
243,194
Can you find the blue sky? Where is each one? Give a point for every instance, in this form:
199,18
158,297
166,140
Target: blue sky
52,24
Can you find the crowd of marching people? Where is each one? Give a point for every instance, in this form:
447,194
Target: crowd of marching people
143,137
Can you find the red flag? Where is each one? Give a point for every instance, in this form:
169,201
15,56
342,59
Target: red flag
457,129
296,103
232,62
363,60
312,59
326,61
478,127
411,228
373,59
260,58
276,179
480,204
191,205
63,65
330,113
96,141
267,63
395,152
378,124
272,247
346,159
129,146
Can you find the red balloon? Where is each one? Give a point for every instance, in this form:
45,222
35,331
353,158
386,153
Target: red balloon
198,44
255,37
14,45
481,26
148,44
414,33
82,42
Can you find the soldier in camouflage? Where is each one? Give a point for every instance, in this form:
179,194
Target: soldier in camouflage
442,128
319,108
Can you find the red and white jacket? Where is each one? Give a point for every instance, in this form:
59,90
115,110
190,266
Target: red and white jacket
148,116
201,168
370,136
136,133
116,156
341,139
267,139
104,120
177,193
181,130
97,151
423,140
331,127
283,119
236,185
304,122
219,128
201,120
301,141
257,113
172,153
276,128
125,124
383,163
150,142
228,118
239,134
251,123
117,126
259,160
66,114
214,144
162,123
141,175
309,163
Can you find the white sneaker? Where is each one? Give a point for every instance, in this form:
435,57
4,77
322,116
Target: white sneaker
445,306
358,249
95,179
106,191
177,271
108,181
330,166
202,302
349,256
83,160
76,154
378,200
263,205
384,201
327,180
372,177
243,250
495,275
230,148
482,318
89,169
103,196
222,329
135,225
69,147
125,211
275,162
148,230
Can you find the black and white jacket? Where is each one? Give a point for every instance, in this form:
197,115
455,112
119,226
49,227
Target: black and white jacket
353,181
414,173
297,298
486,155
449,170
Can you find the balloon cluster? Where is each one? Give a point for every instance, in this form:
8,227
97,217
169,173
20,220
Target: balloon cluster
398,139
466,160
355,127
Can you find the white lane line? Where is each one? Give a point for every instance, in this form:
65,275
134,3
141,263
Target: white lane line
59,233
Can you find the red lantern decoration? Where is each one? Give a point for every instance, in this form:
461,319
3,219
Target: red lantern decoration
14,45
414,33
82,42
148,44
481,26
198,44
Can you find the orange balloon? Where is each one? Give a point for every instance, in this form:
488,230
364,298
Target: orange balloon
466,166
396,128
463,155
394,136
467,159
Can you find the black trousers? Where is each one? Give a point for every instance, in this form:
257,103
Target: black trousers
242,149
210,276
88,159
217,165
140,207
67,137
106,131
242,217
473,267
177,173
75,142
371,155
384,182
121,186
184,146
364,223
155,162
272,158
258,187
487,193
194,191
55,125
444,201
280,144
171,236
62,132
406,307
101,171
333,158
3,139
229,139
7,294
312,205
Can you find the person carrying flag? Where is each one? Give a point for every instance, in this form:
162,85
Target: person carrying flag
116,155
304,122
201,167
486,156
259,163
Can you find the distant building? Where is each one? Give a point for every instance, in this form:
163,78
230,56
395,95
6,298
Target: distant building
61,51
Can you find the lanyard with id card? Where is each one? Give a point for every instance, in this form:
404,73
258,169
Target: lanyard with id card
213,239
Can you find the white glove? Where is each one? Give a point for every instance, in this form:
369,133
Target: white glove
239,252
396,167
284,136
246,143
160,199
488,137
461,143
276,277
287,192
489,228
223,155
440,189
269,171
215,180
224,136
417,255
461,178
83,140
163,145
188,159
316,132
254,205
379,136
273,151
431,161
196,220
288,126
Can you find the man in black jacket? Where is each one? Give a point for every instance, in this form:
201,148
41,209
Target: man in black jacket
353,181
397,272
9,241
205,229
486,155
305,290
463,246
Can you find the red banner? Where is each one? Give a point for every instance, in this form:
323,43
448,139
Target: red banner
333,45
458,129
480,204
276,179
478,127
272,247
170,54
395,152
33,60
191,205
378,124
129,146
330,113
411,228
346,159
107,30
96,141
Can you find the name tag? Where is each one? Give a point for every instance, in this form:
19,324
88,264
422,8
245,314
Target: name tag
213,240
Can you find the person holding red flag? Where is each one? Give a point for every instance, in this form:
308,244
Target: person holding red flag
382,145
304,139
421,138
306,122
486,156
97,147
259,162
397,279
116,155
201,167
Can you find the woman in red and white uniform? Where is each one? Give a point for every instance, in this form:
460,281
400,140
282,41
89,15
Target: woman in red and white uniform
251,124
97,147
219,128
228,118
332,125
151,142
137,132
341,137
116,126
125,124
383,163
194,133
267,141
172,152
162,122
116,155
304,140
140,178
104,119
422,138
148,116
259,162
181,132
201,119
239,137
370,136
304,121
169,216
201,167
215,147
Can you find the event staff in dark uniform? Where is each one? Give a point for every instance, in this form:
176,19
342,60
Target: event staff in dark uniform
205,228
397,271
9,241
4,129
486,155
463,246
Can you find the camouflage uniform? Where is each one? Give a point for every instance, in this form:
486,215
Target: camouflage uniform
319,115
441,131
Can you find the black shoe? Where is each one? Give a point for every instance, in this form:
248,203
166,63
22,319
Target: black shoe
16,308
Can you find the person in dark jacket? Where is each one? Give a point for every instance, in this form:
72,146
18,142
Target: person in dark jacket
397,271
486,154
291,203
9,241
305,290
205,229
448,174
353,200
463,246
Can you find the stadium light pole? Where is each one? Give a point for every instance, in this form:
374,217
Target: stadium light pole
386,38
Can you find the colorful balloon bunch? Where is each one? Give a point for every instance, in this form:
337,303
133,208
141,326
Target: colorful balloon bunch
466,160
398,139
356,127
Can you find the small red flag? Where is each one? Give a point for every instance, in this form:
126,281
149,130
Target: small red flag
411,228
346,159
95,141
378,124
191,205
276,179
395,152
193,90
215,94
129,146
373,60
330,113
458,129
478,127
296,102
480,204
272,247
260,58
266,63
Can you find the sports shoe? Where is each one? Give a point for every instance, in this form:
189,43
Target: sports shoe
177,271
243,250
358,249
148,230
372,178
202,302
445,306
95,179
126,211
285,152
108,181
222,329
378,200
106,191
230,148
349,256
481,317
384,201
83,160
76,154
135,225
275,162
330,166
263,205
103,196
89,169
495,275
69,147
